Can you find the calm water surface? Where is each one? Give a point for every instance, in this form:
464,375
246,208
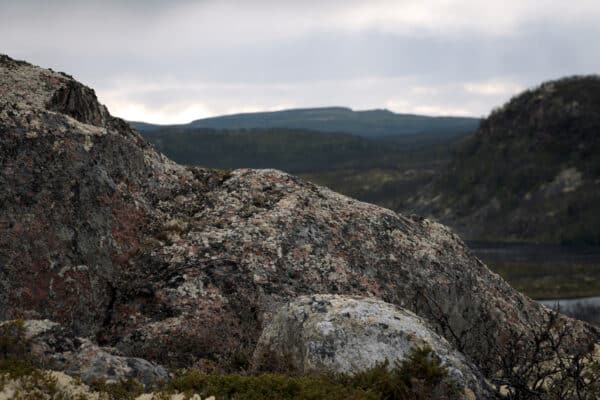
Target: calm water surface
587,308
535,253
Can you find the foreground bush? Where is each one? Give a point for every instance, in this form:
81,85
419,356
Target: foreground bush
547,364
418,377
536,366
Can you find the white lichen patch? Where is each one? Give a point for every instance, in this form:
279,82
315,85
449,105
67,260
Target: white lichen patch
191,288
566,181
569,179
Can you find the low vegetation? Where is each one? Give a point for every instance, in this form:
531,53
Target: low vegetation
16,366
420,376
550,281
384,171
296,151
538,365
368,123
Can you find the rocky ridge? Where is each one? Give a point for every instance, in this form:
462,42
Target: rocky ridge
184,265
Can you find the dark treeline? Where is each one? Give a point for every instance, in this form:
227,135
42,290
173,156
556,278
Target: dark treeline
292,150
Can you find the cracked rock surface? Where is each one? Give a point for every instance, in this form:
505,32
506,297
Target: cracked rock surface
104,235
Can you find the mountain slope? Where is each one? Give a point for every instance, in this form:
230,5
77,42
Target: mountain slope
369,124
530,173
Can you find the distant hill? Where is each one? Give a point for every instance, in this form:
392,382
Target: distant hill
530,173
369,124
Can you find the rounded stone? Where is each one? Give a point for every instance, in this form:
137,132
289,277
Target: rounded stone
346,334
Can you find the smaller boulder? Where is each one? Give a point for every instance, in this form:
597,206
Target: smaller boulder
56,348
345,334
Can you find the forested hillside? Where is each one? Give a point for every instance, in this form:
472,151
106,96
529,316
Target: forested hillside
530,173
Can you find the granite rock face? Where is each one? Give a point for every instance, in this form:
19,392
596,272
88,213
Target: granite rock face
54,347
345,334
104,235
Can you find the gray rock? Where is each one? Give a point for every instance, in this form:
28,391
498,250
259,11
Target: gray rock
343,334
54,347
91,363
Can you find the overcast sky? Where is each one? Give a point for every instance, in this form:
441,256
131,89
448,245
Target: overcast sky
175,61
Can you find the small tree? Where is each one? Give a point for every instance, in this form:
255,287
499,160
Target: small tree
547,363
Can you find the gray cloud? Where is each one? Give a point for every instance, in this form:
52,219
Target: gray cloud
178,60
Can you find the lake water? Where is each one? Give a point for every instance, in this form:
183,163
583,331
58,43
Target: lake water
535,253
569,304
584,308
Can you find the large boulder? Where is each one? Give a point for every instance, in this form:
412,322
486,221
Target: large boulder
52,346
344,334
104,235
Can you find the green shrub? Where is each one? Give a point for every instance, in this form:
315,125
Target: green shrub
33,383
267,386
420,376
13,343
122,390
14,351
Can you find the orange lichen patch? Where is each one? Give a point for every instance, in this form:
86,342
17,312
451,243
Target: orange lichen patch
123,258
127,224
59,294
183,179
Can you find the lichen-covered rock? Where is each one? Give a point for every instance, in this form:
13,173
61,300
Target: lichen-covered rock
107,237
54,347
45,385
52,385
343,334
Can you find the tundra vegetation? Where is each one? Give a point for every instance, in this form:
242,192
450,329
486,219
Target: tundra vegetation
543,371
417,377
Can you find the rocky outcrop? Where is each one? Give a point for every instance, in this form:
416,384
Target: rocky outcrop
78,101
107,237
53,347
325,333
